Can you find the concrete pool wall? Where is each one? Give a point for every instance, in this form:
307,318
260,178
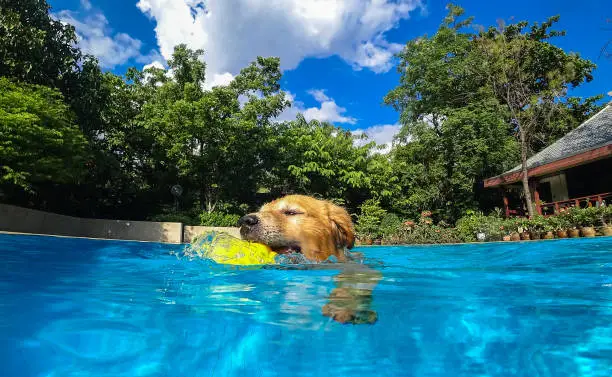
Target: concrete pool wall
24,220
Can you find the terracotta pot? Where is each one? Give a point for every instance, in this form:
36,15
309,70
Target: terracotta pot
607,230
548,235
562,234
535,235
515,237
506,237
367,241
573,233
525,236
587,231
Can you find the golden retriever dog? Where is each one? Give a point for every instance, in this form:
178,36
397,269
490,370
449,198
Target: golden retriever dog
318,229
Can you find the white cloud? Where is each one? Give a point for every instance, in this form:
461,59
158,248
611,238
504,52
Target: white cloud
376,57
328,111
86,4
234,32
96,38
223,79
319,95
155,64
382,134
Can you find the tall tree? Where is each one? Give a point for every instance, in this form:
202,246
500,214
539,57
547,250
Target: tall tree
34,47
209,136
459,82
39,141
530,76
453,131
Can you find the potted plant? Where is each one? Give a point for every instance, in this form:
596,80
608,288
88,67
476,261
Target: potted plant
504,228
606,220
535,226
587,218
559,225
548,231
523,226
570,214
511,228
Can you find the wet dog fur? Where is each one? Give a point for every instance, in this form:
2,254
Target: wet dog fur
318,229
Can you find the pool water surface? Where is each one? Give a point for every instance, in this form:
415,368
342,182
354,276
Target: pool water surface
78,307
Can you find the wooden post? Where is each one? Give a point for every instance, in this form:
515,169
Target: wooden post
536,194
506,208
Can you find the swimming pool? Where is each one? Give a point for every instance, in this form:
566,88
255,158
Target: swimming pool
77,307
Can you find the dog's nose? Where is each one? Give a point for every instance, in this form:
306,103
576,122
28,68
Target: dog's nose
249,220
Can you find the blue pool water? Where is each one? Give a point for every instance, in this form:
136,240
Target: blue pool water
75,307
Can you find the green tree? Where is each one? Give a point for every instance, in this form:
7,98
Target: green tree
453,101
440,167
34,47
318,158
208,137
39,141
530,76
454,132
371,215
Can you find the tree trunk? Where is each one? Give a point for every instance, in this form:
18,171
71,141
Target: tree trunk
524,176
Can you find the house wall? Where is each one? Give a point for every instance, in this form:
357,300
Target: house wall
558,187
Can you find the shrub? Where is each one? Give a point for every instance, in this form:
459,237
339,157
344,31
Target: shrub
606,215
369,220
423,232
428,234
511,225
538,224
559,222
218,219
567,218
178,217
390,224
590,216
493,226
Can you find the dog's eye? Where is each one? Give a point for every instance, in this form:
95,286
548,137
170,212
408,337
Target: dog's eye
290,212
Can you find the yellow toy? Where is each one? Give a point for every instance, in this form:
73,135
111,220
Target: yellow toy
225,249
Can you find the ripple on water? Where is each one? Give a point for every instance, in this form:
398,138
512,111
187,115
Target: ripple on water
97,341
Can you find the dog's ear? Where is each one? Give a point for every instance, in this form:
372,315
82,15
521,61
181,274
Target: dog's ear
342,227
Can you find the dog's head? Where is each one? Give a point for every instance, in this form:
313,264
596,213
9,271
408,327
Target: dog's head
316,228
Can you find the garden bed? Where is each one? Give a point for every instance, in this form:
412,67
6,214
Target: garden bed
573,222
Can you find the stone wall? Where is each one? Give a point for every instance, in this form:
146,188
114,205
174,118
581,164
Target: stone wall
25,220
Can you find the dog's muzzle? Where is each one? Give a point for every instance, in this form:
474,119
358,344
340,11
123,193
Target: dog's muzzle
248,220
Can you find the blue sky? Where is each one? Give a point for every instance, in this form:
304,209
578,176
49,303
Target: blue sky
336,55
